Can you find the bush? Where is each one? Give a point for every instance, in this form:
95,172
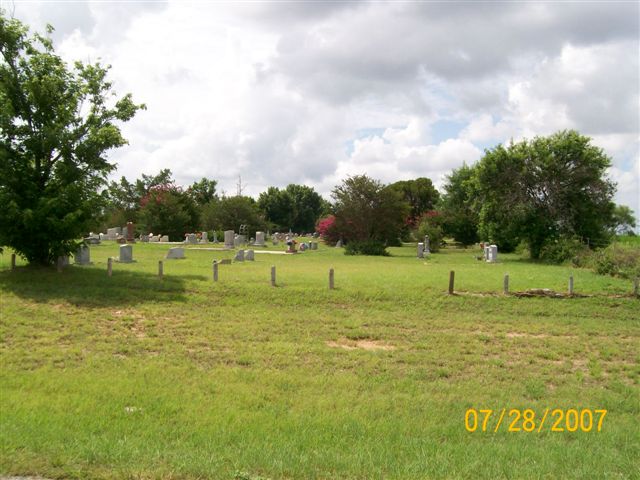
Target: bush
369,247
617,260
430,225
562,249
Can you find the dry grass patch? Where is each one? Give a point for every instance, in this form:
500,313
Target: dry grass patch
363,344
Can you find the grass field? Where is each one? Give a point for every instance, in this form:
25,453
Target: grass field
135,377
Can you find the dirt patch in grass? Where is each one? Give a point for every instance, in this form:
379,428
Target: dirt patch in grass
363,344
525,335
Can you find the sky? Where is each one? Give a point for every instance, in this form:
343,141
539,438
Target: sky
310,92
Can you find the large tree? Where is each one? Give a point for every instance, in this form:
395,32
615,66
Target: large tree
368,211
295,208
541,190
56,125
459,206
419,193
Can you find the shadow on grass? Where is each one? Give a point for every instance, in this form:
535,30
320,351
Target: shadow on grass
91,287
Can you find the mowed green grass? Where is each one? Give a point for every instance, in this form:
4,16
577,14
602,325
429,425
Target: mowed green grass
136,377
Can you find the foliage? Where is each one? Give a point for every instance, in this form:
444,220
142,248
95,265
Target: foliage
562,249
326,228
365,210
203,191
419,193
167,210
56,124
368,247
229,213
623,221
618,259
546,188
431,224
295,208
459,206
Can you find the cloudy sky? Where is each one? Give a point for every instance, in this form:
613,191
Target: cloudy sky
309,92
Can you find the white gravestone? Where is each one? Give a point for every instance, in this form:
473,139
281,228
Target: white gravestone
228,238
259,239
190,238
493,254
420,250
427,245
164,238
175,253
204,238
82,256
126,254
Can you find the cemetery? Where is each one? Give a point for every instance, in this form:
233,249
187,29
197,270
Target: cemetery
354,358
472,311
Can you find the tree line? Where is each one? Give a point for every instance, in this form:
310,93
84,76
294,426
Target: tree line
57,124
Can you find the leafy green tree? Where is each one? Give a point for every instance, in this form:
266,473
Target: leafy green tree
229,213
548,188
420,194
56,125
203,191
297,207
459,206
623,220
365,210
277,206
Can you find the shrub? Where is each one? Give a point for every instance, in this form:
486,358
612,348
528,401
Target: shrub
561,249
430,225
368,247
326,228
617,260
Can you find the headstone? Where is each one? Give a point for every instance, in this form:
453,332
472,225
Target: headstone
164,238
63,261
130,238
103,236
82,256
225,261
215,237
492,255
239,256
339,244
121,240
144,238
154,238
314,245
190,238
420,250
228,238
427,245
175,253
112,233
126,254
259,239
92,239
249,255
204,238
239,240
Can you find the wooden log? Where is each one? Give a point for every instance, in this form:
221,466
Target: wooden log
331,279
452,276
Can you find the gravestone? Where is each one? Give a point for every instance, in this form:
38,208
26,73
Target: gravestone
126,254
225,261
493,254
121,239
63,261
249,255
228,238
190,238
204,237
130,238
427,245
164,238
175,253
215,237
112,233
154,238
259,239
339,244
420,250
239,240
239,256
144,238
314,245
82,256
104,236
